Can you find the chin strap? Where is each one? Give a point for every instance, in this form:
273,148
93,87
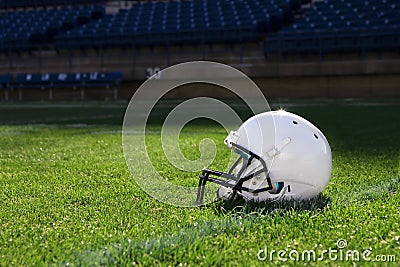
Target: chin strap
231,194
281,194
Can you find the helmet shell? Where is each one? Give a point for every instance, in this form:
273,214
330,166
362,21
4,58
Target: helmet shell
295,151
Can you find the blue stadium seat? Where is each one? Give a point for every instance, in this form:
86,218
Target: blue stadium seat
160,23
341,26
26,29
6,4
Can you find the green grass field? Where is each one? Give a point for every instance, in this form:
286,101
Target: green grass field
67,197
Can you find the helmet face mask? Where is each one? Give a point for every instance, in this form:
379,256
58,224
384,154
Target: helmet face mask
232,183
293,160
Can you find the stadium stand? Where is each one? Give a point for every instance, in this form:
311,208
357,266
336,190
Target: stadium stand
85,36
24,30
324,27
15,4
340,26
185,22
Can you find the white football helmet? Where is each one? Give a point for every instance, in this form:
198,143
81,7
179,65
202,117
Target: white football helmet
281,156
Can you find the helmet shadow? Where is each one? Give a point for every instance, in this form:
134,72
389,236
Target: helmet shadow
239,206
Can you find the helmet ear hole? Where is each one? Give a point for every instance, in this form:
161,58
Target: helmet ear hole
295,122
316,136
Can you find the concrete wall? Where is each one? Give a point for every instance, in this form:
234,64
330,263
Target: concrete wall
342,75
383,85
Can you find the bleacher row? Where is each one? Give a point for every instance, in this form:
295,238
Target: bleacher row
182,22
20,30
145,23
284,25
109,80
340,26
13,4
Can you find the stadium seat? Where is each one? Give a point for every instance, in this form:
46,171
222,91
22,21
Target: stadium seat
28,29
341,26
9,4
187,22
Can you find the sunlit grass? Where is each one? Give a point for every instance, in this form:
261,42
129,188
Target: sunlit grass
67,197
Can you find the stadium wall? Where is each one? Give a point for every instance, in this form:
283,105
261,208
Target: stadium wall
330,79
322,86
376,75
